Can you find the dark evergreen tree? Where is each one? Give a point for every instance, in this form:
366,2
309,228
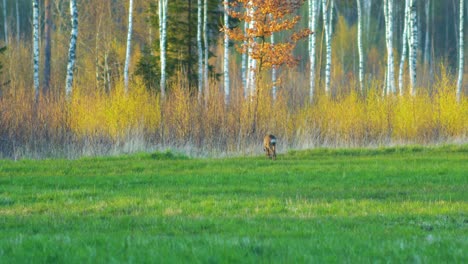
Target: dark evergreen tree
181,41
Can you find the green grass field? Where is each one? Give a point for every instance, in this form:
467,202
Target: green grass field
406,204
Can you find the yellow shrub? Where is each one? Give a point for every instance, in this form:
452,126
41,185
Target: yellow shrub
116,114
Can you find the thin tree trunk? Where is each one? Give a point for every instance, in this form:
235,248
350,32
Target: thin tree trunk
72,49
129,44
226,55
404,46
162,44
360,49
327,24
273,72
368,8
206,44
199,48
388,10
47,48
426,39
35,5
252,63
313,6
413,46
461,55
189,44
244,66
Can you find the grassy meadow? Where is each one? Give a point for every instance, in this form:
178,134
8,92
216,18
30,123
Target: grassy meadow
401,204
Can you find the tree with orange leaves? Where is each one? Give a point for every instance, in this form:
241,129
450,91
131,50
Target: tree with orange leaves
265,17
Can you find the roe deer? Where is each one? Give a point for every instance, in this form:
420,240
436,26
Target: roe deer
269,146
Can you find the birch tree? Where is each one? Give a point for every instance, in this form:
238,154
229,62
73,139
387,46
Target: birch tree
404,46
162,12
226,54
313,6
327,9
461,54
200,48
413,45
360,50
251,62
72,49
388,13
268,17
206,45
35,6
47,46
244,65
273,71
129,43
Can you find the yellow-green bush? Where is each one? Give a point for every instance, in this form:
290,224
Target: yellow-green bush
115,114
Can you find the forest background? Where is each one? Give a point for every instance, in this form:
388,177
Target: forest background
102,117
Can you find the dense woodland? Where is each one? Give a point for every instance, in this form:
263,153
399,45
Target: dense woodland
347,84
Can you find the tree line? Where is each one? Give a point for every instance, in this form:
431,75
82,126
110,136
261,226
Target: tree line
425,32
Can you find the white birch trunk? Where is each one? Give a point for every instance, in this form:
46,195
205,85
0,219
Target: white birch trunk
162,44
35,4
461,55
129,43
72,49
205,38
327,24
404,46
413,46
388,9
200,48
313,6
273,72
360,50
252,63
226,55
244,67
5,25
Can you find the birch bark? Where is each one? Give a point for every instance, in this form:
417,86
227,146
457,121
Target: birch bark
162,10
72,49
360,50
404,46
35,5
388,10
226,55
244,66
47,48
205,38
129,43
252,63
200,48
273,71
413,46
327,24
461,54
313,6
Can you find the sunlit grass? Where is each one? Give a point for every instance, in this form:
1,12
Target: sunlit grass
401,204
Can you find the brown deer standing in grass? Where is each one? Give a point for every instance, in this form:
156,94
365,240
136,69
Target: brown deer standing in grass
269,146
